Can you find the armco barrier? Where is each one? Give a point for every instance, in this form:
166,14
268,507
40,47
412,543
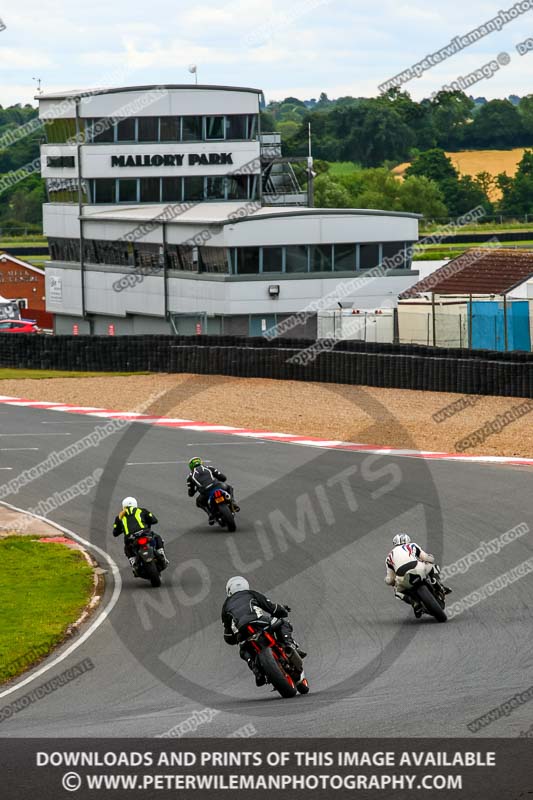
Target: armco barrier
350,362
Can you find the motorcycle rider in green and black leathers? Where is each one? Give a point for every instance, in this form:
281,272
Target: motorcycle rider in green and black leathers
203,479
133,519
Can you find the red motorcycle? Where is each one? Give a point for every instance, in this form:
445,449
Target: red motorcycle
285,672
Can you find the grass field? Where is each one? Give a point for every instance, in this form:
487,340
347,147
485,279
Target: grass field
23,241
9,373
43,589
337,168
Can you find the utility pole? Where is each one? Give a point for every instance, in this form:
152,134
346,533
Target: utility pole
310,173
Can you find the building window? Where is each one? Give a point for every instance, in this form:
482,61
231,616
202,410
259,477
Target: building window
272,259
237,187
180,258
193,188
64,249
60,131
237,126
248,260
102,130
215,188
60,161
212,259
214,128
192,129
345,257
321,258
296,258
369,256
150,190
172,190
148,129
148,256
65,190
127,190
104,190
394,255
126,130
252,126
169,129
253,183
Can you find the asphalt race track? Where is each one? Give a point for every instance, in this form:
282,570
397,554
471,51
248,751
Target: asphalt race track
314,531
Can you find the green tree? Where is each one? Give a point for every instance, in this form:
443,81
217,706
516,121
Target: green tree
525,109
329,193
433,164
451,113
497,124
517,192
422,196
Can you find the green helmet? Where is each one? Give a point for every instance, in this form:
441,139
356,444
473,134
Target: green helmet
195,462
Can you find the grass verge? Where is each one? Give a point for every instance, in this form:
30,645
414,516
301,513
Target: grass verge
44,587
38,374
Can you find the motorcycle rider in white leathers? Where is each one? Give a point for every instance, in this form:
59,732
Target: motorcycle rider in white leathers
403,553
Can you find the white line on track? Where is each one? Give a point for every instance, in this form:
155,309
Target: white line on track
68,422
224,444
35,434
99,619
16,449
154,463
6,467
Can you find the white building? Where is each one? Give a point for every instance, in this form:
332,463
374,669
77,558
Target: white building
169,210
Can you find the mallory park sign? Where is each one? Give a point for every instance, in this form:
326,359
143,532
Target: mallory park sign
172,160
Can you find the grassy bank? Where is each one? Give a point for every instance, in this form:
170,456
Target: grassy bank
39,374
43,589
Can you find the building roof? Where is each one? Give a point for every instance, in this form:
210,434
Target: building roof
480,270
6,256
222,213
115,89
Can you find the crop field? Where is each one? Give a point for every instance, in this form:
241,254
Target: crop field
472,162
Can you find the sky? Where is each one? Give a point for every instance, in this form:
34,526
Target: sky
285,47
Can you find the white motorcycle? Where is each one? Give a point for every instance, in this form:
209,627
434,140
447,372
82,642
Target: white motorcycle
415,579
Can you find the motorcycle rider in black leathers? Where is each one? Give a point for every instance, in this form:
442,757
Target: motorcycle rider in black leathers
204,479
243,606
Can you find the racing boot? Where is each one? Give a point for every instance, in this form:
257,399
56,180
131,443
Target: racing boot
260,679
133,562
292,646
417,606
163,560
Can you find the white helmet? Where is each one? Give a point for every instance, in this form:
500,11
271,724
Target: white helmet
129,501
401,538
236,584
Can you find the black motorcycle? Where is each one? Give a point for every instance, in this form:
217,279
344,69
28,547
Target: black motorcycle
220,507
283,671
148,565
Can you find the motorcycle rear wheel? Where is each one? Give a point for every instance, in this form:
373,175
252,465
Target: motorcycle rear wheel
227,517
431,604
282,682
153,574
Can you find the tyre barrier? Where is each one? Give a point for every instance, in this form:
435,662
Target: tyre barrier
398,366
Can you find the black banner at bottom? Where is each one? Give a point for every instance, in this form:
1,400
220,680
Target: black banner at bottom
201,769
